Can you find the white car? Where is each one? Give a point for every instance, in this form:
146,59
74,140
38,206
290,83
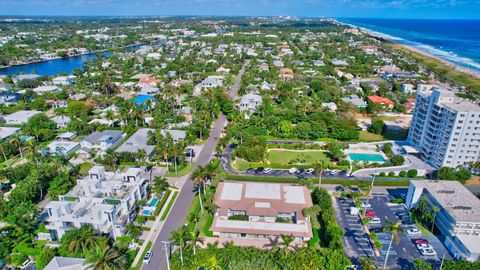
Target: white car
333,172
147,257
365,205
375,220
309,171
414,231
293,170
267,170
424,246
428,252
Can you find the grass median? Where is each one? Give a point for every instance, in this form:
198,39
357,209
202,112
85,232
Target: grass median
169,206
292,180
139,264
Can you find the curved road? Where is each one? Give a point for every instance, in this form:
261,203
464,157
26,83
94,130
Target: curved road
181,206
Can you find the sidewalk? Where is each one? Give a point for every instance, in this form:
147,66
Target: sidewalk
153,233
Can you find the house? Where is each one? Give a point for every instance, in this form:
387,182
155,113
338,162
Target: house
9,98
22,77
5,87
66,263
268,86
223,70
319,63
355,100
425,87
148,81
338,62
64,80
154,56
61,121
458,218
106,201
7,132
278,63
384,102
330,106
250,102
407,88
64,148
149,90
253,210
286,74
209,82
264,67
101,141
20,117
46,89
179,82
56,103
67,136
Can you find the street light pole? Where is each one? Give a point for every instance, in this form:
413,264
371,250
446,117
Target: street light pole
165,247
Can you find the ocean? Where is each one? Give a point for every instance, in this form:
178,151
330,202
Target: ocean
457,41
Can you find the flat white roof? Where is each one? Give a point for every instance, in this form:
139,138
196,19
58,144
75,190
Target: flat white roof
232,191
263,226
262,191
294,194
6,132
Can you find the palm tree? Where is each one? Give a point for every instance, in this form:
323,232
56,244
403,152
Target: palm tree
194,238
319,168
133,230
15,140
106,259
199,177
179,237
435,210
286,241
394,228
213,264
80,240
159,184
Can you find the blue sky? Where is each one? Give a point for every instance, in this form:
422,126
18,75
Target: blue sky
311,8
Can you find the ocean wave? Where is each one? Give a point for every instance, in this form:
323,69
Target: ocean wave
448,56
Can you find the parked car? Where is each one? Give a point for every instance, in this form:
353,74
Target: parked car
428,252
420,241
259,170
267,170
147,257
414,231
339,188
365,205
309,171
333,172
375,220
293,170
423,246
370,214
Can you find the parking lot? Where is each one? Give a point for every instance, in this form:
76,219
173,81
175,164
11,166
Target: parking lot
300,173
401,254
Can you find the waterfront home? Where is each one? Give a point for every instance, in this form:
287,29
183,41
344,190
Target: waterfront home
19,118
64,80
46,89
384,102
22,77
261,210
106,201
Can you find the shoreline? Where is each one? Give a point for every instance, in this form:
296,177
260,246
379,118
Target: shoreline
457,67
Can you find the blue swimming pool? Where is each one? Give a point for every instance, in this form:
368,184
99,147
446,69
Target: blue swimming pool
153,202
366,157
147,212
142,98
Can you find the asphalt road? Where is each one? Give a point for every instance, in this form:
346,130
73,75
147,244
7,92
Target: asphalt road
181,206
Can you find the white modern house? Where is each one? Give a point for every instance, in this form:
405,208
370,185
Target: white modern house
459,217
445,129
209,82
64,80
261,211
106,201
46,89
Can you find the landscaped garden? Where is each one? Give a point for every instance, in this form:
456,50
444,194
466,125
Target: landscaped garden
296,157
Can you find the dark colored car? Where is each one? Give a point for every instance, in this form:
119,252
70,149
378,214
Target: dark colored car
259,170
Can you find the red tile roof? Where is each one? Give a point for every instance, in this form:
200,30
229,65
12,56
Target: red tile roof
380,100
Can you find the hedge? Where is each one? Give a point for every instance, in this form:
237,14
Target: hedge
292,180
169,206
160,204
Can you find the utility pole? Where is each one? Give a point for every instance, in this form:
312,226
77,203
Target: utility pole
165,247
443,259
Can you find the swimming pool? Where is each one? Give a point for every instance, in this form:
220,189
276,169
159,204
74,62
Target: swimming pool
153,202
142,98
366,157
147,212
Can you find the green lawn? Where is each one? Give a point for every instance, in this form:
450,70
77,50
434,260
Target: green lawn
85,167
169,206
286,157
389,134
365,136
181,172
205,220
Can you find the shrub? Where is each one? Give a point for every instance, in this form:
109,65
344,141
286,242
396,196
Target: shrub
382,174
343,163
397,160
238,217
377,126
412,173
402,174
282,220
391,174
